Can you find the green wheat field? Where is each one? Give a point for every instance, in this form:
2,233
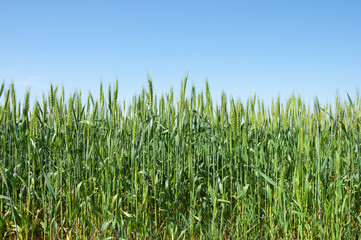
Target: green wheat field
178,168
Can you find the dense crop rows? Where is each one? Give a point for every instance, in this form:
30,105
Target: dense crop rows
165,168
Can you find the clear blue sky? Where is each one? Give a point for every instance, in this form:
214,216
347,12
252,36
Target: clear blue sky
269,47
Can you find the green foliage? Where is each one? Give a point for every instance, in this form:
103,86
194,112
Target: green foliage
184,168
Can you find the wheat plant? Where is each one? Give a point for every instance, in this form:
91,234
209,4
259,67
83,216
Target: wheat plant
186,168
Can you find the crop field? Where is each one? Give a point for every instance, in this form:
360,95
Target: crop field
167,167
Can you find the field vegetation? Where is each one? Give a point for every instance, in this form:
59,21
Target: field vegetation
185,168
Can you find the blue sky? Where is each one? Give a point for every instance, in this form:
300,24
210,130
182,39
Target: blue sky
310,48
